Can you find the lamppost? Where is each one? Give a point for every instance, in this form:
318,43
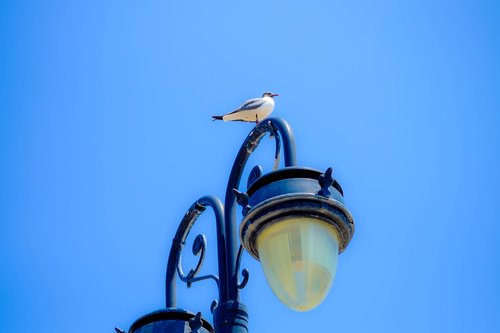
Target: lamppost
294,223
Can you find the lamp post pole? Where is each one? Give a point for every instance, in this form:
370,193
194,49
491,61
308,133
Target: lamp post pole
229,314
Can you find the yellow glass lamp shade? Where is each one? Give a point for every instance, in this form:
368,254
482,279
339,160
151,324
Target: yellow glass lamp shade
299,258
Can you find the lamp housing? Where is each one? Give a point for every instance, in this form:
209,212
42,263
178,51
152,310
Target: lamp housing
296,224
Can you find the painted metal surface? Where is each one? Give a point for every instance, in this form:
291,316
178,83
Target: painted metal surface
229,314
171,321
294,191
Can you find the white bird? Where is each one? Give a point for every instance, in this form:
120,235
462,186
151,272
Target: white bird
253,110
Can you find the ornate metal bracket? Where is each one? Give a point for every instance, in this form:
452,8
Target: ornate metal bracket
282,133
228,260
199,249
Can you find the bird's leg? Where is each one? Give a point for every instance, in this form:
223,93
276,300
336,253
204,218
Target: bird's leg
256,119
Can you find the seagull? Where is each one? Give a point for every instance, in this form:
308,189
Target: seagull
253,110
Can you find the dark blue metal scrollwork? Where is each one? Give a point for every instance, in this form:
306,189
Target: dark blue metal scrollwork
282,132
229,314
245,273
199,249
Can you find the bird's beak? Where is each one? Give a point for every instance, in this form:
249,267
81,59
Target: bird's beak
272,95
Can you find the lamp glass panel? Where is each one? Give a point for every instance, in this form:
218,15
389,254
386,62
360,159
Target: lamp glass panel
299,259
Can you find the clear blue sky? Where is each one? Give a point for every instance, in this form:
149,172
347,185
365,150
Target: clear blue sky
106,139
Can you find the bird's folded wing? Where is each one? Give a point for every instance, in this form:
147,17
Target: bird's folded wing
251,104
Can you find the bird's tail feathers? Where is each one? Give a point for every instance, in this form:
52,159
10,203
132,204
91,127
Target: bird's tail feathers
216,118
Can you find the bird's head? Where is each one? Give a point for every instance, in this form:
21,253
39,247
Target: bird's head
269,94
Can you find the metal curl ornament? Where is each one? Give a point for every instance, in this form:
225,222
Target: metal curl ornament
174,264
245,273
199,249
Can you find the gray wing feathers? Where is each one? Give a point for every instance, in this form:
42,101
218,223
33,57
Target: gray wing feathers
251,104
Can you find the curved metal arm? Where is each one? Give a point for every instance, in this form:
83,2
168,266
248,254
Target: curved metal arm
271,125
228,260
179,240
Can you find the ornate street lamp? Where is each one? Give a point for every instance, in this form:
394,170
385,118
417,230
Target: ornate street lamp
294,222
